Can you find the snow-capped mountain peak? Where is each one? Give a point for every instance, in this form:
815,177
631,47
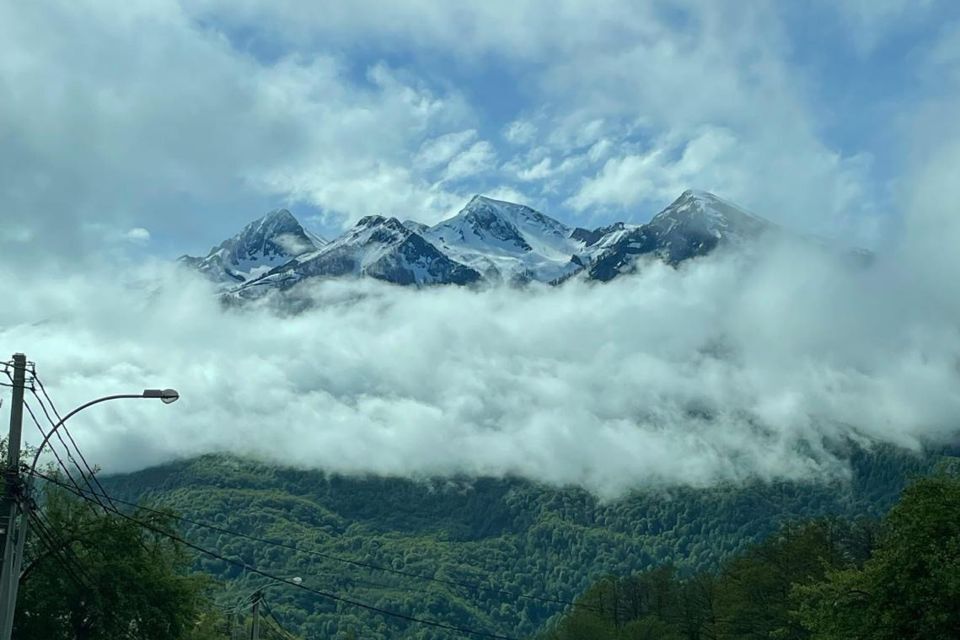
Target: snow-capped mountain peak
702,213
487,240
693,225
506,241
261,246
378,247
483,222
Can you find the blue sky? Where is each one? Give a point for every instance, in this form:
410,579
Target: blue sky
135,131
161,127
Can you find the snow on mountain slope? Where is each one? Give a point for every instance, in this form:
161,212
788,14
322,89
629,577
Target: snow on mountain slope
487,241
377,247
599,240
698,220
416,227
693,225
262,245
507,242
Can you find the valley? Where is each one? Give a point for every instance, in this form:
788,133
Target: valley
501,555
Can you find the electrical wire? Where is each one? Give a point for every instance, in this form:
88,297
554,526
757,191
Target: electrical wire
102,493
59,434
67,559
278,631
64,545
375,567
284,632
63,427
56,455
280,580
57,551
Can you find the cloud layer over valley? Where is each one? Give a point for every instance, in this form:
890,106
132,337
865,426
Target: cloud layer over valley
727,368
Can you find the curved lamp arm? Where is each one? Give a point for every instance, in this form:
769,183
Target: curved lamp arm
165,395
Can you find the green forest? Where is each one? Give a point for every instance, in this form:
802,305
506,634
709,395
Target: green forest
501,557
828,579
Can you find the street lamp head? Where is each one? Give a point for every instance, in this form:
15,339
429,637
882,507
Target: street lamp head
167,396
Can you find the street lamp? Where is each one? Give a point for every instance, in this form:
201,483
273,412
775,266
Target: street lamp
13,522
166,396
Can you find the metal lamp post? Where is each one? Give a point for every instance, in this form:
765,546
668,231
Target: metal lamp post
13,521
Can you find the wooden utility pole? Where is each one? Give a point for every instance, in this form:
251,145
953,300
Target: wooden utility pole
255,612
13,520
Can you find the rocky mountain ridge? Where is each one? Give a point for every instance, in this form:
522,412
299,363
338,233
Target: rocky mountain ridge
488,241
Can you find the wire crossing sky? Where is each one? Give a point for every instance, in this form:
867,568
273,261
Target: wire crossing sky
133,132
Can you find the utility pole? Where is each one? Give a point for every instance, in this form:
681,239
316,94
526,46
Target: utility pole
255,611
13,521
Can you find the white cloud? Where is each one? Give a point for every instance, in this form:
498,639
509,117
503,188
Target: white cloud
523,30
509,194
520,132
539,171
133,114
722,370
628,180
215,128
138,235
664,73
441,149
292,244
478,159
827,191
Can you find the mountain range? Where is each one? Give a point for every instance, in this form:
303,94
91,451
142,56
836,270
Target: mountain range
488,241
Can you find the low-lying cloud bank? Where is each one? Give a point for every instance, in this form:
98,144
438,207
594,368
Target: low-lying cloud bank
728,368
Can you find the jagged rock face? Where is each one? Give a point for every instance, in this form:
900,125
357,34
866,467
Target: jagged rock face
416,261
487,241
482,226
261,246
376,247
696,222
416,227
621,256
506,242
693,225
590,237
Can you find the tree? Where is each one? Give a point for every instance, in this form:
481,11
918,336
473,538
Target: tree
93,575
910,587
755,588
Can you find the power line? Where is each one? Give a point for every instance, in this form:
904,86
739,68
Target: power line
64,467
284,632
67,451
357,563
504,595
64,555
280,580
66,547
102,493
63,426
55,548
53,449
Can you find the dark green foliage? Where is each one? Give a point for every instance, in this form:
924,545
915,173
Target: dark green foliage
108,579
910,588
818,580
507,535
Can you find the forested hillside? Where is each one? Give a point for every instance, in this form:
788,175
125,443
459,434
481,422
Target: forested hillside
896,579
503,555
